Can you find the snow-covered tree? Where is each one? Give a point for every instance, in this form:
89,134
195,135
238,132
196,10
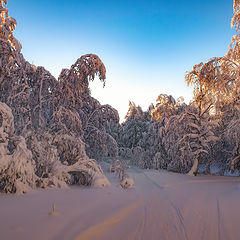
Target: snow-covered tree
7,26
165,107
134,127
232,135
199,132
17,168
51,118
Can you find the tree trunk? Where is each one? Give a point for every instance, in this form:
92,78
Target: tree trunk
194,169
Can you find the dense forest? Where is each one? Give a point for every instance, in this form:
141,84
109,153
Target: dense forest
54,133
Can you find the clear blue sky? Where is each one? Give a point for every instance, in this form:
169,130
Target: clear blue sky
146,45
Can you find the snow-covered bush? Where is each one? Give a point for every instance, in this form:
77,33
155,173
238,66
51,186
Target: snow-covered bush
127,182
119,168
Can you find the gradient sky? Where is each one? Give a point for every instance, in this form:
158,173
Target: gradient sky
146,45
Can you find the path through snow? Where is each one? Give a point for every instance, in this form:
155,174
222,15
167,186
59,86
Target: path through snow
161,205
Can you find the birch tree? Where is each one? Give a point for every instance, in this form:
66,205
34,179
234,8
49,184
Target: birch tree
199,132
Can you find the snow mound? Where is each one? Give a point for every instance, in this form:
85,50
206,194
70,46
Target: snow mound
127,182
99,180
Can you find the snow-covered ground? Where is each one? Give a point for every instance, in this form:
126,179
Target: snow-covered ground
161,205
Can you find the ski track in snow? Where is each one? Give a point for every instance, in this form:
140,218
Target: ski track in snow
161,206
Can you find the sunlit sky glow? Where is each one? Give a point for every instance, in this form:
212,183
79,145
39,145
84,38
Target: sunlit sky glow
146,46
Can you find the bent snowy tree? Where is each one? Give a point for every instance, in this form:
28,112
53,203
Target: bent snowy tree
48,116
